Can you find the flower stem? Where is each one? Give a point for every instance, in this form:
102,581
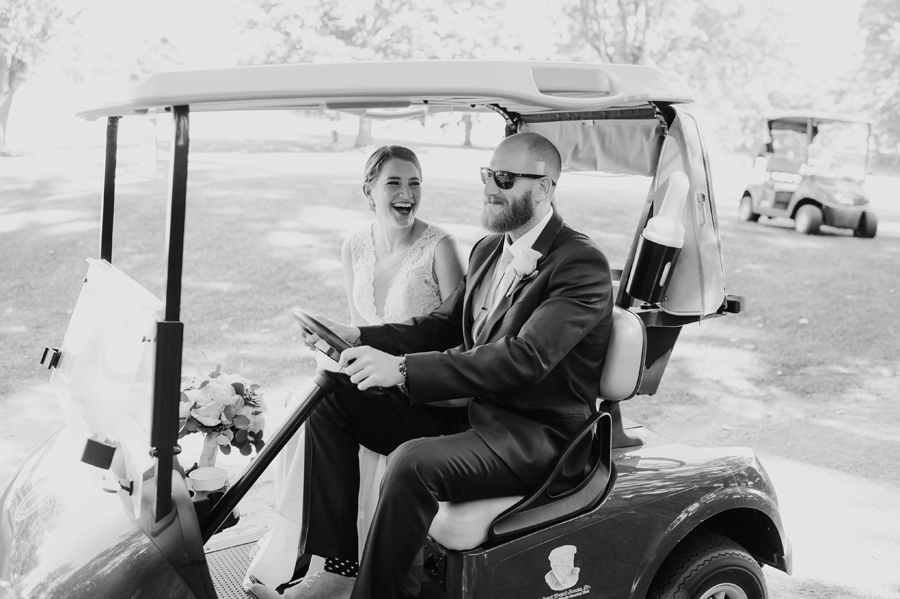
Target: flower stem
210,451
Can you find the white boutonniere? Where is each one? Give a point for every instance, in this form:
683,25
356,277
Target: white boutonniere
525,267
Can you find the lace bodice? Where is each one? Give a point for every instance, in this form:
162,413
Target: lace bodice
413,291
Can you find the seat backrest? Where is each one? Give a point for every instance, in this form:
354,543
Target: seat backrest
623,368
780,163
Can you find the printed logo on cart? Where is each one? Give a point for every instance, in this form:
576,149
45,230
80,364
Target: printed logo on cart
563,574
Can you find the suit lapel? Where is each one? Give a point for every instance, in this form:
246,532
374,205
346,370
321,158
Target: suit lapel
542,244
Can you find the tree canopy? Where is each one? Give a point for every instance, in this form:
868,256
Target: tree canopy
742,59
26,27
880,75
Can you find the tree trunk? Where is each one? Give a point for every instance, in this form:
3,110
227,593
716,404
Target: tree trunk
467,123
5,105
364,136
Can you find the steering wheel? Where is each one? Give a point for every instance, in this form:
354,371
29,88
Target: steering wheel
336,347
312,325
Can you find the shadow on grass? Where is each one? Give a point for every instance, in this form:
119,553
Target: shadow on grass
810,351
263,146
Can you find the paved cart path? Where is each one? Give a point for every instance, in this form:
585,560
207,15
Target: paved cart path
845,532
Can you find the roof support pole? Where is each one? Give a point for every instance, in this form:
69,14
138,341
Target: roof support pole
108,201
178,174
170,332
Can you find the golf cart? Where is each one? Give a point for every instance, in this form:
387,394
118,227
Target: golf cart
816,164
103,508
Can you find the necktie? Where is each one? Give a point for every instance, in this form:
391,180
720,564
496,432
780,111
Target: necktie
492,291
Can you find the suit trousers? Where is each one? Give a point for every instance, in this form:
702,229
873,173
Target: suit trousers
433,455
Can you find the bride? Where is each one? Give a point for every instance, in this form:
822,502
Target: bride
396,268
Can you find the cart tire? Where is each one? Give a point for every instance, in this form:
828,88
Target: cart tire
808,219
868,225
706,567
745,210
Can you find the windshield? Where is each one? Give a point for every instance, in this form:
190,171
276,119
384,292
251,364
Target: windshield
104,380
839,150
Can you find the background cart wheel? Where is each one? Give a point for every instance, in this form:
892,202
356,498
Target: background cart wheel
745,211
709,567
868,225
808,220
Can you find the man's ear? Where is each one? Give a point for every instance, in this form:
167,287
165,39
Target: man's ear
546,186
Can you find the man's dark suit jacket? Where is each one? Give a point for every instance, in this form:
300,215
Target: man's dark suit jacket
534,371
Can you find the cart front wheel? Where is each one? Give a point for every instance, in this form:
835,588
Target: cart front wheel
808,220
709,567
745,211
868,226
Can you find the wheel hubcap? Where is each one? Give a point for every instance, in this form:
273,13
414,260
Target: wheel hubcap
724,591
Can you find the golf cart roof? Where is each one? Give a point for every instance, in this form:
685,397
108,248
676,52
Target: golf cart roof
401,87
800,117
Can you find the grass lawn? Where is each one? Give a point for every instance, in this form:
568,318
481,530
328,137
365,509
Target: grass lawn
809,371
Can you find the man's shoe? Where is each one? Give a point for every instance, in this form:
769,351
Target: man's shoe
321,585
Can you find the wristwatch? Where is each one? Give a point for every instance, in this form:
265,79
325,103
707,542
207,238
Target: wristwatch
402,367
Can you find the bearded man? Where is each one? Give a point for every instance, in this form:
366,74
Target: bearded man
521,341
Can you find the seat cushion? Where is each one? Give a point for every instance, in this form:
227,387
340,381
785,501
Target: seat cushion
463,526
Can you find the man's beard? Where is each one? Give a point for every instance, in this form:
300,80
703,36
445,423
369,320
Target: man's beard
516,214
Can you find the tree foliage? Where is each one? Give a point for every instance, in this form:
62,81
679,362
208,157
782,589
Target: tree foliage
617,31
880,75
731,54
26,27
320,30
741,59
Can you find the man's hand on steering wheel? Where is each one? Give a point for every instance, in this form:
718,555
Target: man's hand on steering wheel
368,367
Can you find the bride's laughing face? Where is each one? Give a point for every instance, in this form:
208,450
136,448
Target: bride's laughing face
395,194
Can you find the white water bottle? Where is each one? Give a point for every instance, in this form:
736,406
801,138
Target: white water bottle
659,244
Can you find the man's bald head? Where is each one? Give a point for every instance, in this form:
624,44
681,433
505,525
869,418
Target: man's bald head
542,155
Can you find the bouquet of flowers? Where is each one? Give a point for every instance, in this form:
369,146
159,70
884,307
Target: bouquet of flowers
225,407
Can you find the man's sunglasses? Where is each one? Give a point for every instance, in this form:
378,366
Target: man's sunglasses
506,179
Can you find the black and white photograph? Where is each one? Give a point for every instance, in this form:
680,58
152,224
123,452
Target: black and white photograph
449,299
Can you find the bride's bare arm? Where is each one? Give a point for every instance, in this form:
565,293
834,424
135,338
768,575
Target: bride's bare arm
448,265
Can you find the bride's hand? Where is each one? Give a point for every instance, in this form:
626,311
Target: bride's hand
347,332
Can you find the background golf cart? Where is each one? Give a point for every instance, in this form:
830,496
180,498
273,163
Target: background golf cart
168,538
816,164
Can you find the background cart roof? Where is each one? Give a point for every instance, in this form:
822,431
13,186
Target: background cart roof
800,117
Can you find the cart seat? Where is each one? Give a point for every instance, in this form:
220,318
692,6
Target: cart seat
466,525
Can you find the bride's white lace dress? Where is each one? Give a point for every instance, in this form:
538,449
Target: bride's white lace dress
412,289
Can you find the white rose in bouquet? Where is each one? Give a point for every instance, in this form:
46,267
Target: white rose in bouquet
209,414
